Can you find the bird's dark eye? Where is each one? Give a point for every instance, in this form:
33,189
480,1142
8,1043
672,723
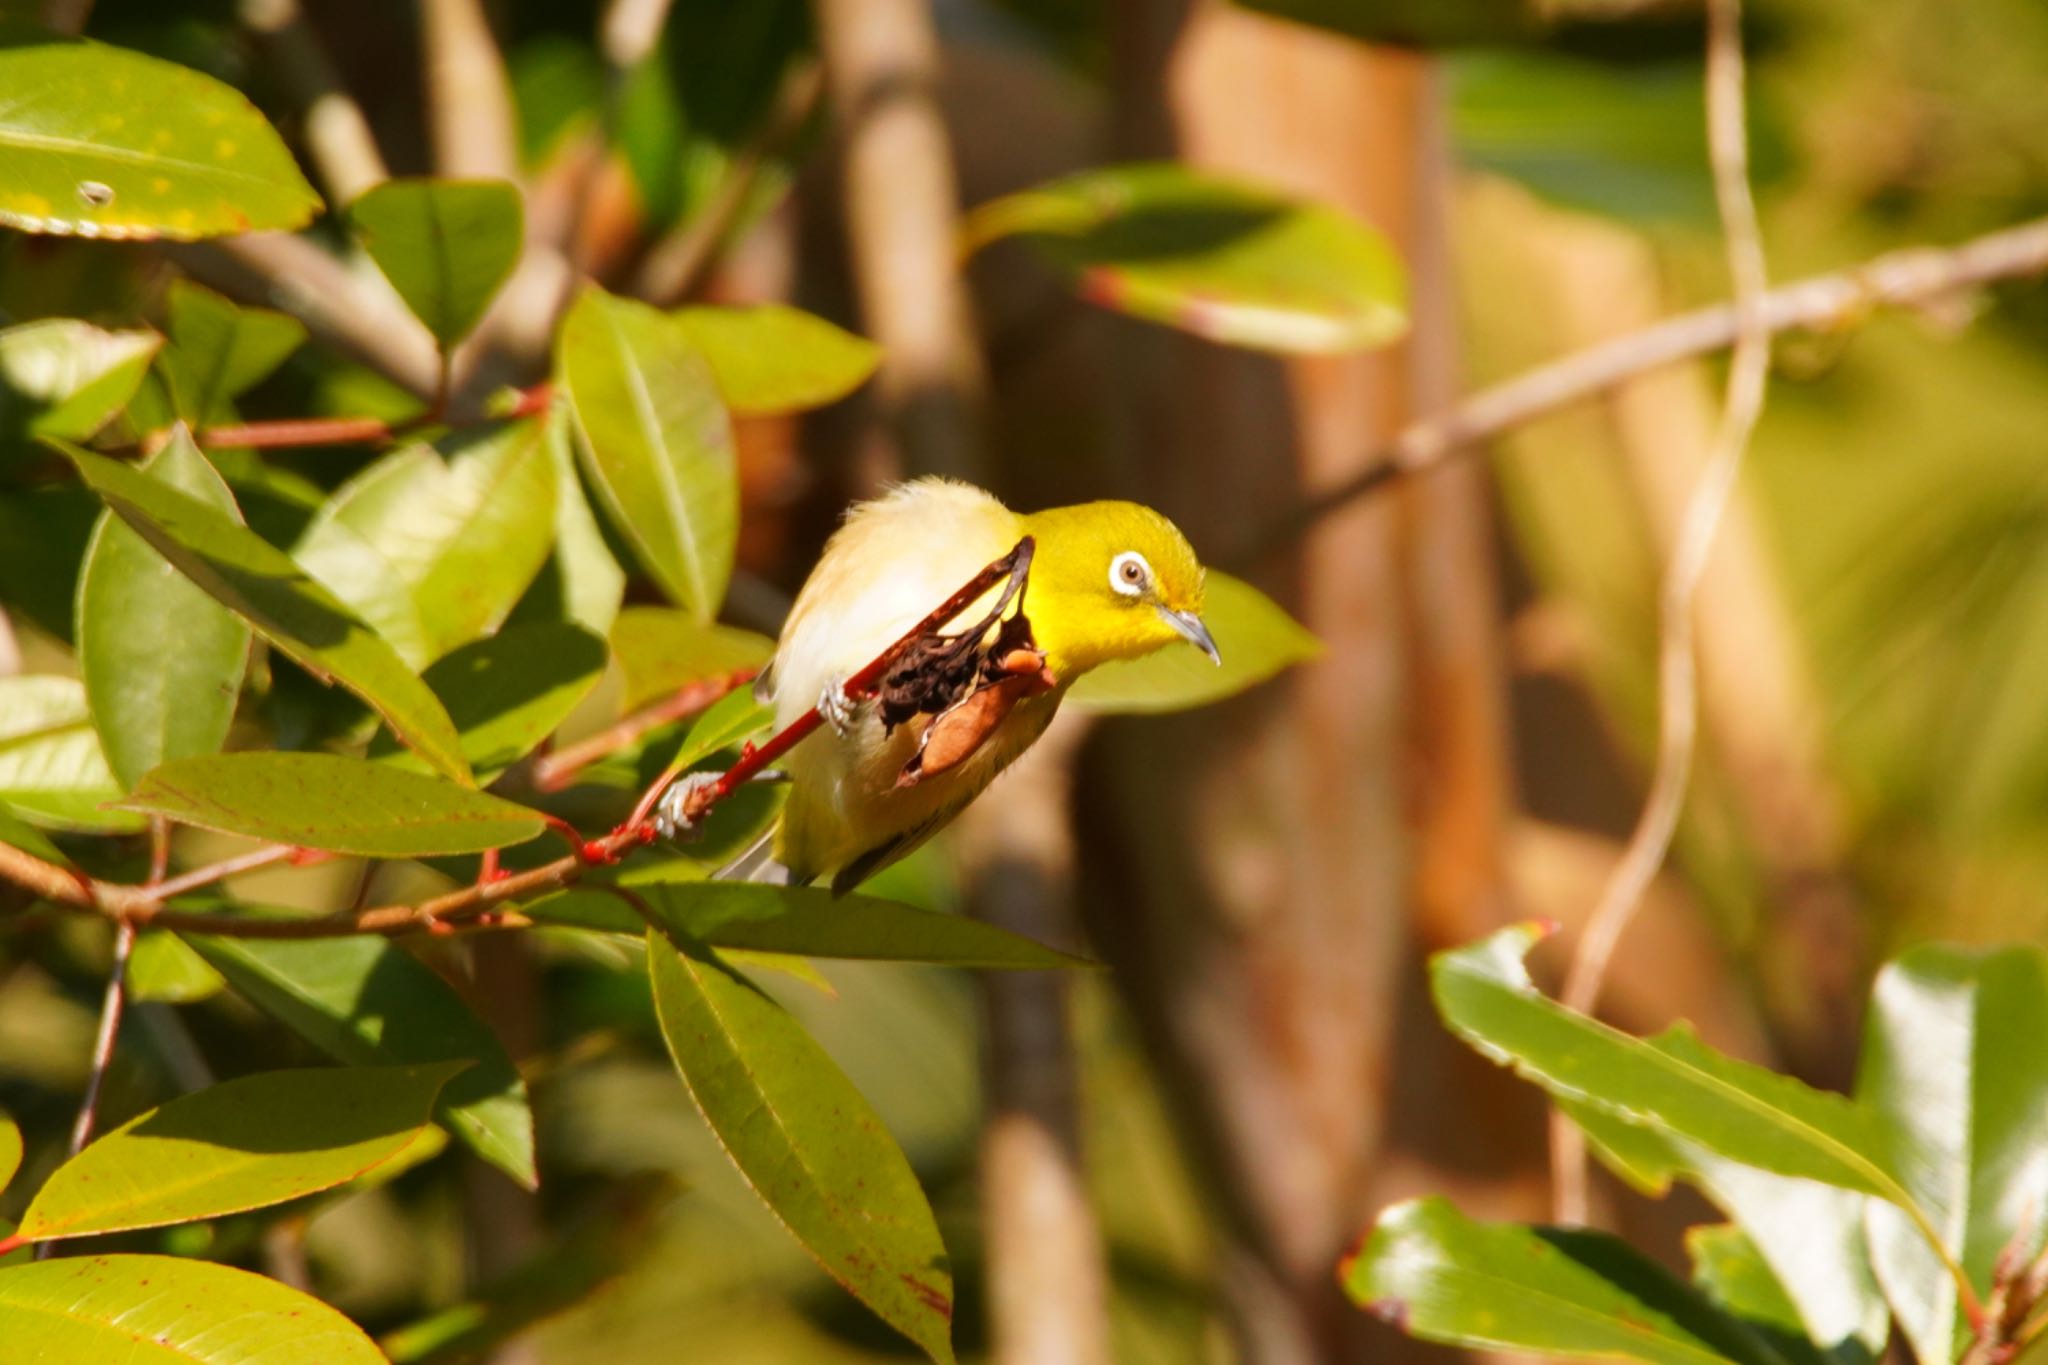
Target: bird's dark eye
1129,573
1132,573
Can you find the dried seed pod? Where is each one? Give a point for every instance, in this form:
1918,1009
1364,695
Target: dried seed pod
953,736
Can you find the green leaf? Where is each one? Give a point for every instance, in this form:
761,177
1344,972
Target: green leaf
660,649
19,833
163,661
435,552
52,770
1255,637
731,719
445,245
326,801
1729,1269
806,1140
163,969
1232,262
10,1149
62,377
262,585
220,350
774,358
367,1002
242,1144
655,441
581,582
99,142
1440,1276
508,692
178,1311
1945,1065
807,922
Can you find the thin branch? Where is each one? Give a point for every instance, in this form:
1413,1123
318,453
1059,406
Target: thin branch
556,770
469,96
338,136
1915,277
1749,369
67,16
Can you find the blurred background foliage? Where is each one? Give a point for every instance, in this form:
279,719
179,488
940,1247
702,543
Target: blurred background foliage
1875,625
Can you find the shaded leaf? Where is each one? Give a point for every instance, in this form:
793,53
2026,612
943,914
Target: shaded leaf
19,833
774,358
105,1308
660,649
52,770
655,441
163,969
10,1149
1948,1064
733,718
163,661
219,350
806,1140
1255,637
807,922
367,1002
100,142
292,611
1729,1269
1232,262
445,245
326,801
435,552
62,377
508,692
1443,1277
581,582
242,1144
43,532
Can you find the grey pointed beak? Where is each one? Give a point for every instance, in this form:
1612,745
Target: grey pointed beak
1193,631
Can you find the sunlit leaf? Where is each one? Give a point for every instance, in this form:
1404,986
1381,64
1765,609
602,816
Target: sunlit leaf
262,585
660,649
508,692
96,141
806,1140
774,358
164,970
63,377
1232,262
656,442
1440,1276
368,1002
731,719
52,770
242,1144
434,551
183,1312
326,801
163,661
445,245
220,350
1729,1269
581,581
1255,637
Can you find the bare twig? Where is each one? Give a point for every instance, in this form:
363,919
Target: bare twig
469,97
1916,277
338,137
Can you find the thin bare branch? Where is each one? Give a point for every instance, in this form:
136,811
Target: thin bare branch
338,136
556,770
469,96
1749,369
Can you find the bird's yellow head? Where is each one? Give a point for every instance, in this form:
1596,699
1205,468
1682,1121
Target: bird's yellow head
1109,581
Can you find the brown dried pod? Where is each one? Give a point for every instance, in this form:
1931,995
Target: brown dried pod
953,736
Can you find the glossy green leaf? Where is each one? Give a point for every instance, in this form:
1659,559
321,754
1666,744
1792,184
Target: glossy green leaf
343,805
10,1149
52,770
96,141
167,1310
162,969
445,245
774,358
163,661
581,581
806,1140
242,1144
1255,637
220,350
368,1002
732,719
1949,1063
655,441
807,922
62,377
1232,262
19,833
508,692
433,551
1440,1276
291,610
660,649
1728,1268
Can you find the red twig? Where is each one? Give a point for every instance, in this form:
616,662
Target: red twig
295,432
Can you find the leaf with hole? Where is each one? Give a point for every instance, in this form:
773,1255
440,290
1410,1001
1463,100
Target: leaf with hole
326,801
1255,637
445,245
241,1144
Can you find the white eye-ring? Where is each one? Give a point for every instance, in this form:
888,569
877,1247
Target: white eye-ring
1129,574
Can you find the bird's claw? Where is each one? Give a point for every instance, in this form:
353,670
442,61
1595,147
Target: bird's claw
671,818
837,708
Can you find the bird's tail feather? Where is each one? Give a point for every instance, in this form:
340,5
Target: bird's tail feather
756,863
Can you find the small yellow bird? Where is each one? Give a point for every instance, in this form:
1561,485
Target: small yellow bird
1107,581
